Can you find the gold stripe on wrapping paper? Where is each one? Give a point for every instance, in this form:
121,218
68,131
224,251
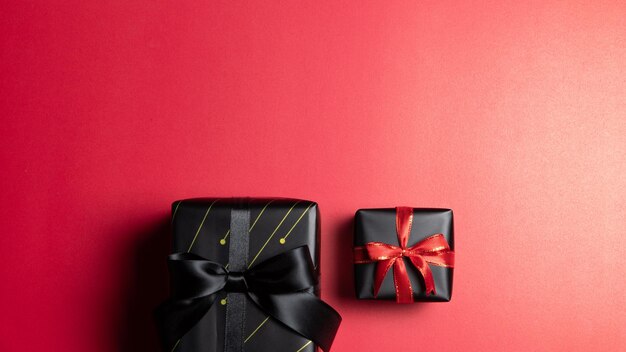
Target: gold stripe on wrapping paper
259,216
301,348
272,235
284,239
176,345
223,240
200,227
175,210
257,329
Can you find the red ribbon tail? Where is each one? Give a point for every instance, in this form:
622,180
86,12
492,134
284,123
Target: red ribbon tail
427,274
404,291
382,267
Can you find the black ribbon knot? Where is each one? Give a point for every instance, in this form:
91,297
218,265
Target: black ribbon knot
236,282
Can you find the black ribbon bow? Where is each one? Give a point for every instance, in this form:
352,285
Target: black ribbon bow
276,285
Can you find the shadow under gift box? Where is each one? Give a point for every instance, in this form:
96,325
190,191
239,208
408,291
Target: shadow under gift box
201,226
379,225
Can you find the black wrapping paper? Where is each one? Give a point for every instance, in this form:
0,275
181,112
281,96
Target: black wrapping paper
202,226
379,225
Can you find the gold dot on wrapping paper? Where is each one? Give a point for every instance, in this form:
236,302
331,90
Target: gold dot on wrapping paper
223,301
282,241
222,241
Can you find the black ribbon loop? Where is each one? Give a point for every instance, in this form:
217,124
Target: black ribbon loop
276,285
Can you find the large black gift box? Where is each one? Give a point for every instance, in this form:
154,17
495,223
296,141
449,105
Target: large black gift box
202,227
379,225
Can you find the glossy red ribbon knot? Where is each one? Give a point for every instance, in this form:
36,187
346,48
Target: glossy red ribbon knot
432,250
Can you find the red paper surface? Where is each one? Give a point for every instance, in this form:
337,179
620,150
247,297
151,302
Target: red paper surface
511,113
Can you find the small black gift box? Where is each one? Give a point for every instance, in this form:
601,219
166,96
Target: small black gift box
245,277
404,254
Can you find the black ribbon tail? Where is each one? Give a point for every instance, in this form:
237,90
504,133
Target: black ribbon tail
176,317
304,313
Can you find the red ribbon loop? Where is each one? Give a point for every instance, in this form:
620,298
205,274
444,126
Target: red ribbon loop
432,250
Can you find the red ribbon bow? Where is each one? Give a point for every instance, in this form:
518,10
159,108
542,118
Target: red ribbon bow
432,250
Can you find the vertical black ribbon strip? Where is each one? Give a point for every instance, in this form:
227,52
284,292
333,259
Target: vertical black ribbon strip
237,263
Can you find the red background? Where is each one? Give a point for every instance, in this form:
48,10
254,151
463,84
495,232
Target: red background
511,113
